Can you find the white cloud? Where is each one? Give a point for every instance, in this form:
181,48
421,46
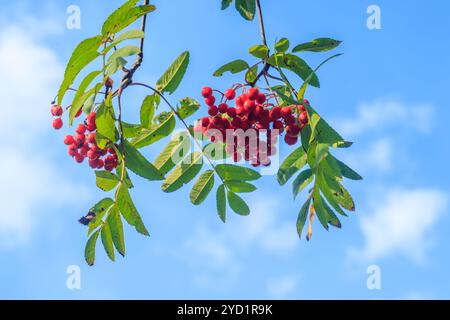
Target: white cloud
30,180
378,155
401,222
383,113
283,287
223,251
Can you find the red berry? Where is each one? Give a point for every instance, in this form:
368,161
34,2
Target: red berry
301,108
91,116
217,121
79,113
230,94
81,129
210,101
79,158
275,113
253,94
290,120
207,92
84,150
305,101
213,111
205,122
293,130
91,137
57,123
72,150
92,155
241,100
80,139
231,112
56,111
286,112
91,126
240,111
223,108
100,163
68,140
236,123
278,125
93,163
109,83
290,140
261,98
303,118
249,106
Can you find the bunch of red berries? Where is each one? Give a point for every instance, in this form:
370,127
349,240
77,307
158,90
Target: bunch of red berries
83,144
251,110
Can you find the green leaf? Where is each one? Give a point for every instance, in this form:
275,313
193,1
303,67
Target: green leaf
84,85
322,151
318,45
216,151
188,107
127,35
108,241
293,163
123,53
259,51
155,133
332,218
115,224
302,181
247,8
348,172
282,45
137,163
129,211
251,74
234,67
172,78
226,4
184,172
237,204
321,213
222,203
240,186
130,131
100,209
303,215
106,123
202,187
115,65
327,192
124,16
321,130
175,149
148,108
344,198
301,68
89,251
84,53
106,180
78,105
230,172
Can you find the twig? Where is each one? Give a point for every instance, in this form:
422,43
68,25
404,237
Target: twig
262,29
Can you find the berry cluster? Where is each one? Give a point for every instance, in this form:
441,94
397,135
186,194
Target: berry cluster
83,144
251,110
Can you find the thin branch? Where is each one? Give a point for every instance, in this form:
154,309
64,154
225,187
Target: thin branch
122,138
261,23
262,29
174,110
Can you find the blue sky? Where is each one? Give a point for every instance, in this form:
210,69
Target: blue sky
387,94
